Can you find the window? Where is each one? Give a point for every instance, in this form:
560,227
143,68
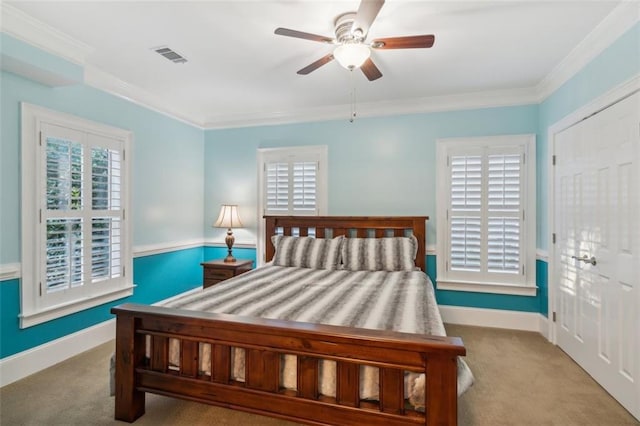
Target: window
486,214
291,187
293,182
75,233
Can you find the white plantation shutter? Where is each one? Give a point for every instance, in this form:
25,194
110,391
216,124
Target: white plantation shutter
465,216
485,197
505,207
79,234
304,187
277,188
291,188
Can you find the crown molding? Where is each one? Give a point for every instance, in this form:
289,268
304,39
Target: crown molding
460,101
18,24
619,21
106,82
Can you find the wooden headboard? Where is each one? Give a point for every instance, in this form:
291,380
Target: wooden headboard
350,226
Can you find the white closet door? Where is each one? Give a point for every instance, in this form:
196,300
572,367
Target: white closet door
597,254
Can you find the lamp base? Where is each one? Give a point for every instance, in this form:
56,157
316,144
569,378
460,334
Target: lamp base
229,239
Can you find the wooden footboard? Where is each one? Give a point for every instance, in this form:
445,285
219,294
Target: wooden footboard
265,341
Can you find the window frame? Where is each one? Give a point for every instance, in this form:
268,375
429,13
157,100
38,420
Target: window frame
313,153
487,282
36,308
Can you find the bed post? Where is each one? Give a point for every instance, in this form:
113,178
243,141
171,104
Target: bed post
441,407
270,229
129,402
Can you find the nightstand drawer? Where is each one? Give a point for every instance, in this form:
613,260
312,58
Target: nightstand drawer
217,274
216,271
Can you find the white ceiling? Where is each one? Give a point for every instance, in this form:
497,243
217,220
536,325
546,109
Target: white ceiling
239,71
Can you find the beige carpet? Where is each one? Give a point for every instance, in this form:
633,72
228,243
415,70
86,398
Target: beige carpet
521,379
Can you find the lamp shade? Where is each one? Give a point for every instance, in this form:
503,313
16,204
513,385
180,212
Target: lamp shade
351,55
228,217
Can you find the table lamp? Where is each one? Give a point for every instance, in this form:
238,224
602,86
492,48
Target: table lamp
228,218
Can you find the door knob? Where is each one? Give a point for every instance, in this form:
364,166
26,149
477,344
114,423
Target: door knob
586,259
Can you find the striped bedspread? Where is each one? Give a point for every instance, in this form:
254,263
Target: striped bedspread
400,301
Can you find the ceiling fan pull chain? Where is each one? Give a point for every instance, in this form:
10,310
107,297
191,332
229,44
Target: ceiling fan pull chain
353,99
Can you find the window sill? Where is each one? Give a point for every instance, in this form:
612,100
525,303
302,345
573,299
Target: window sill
495,288
54,312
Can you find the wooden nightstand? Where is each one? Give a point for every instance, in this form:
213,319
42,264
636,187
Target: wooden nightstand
216,271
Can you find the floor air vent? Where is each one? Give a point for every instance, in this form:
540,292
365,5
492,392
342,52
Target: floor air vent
174,57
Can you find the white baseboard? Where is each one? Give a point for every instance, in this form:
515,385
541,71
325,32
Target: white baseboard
31,361
544,326
497,318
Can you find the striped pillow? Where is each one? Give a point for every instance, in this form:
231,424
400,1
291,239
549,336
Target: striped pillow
379,254
307,252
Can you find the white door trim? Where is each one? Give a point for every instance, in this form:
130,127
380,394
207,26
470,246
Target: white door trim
610,97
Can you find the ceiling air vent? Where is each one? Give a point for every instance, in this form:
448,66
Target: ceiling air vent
171,55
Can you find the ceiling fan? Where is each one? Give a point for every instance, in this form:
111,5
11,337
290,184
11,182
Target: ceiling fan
351,31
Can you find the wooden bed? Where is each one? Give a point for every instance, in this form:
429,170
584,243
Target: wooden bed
265,340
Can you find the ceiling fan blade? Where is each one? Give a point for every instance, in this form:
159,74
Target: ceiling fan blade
409,42
299,34
370,70
317,64
367,12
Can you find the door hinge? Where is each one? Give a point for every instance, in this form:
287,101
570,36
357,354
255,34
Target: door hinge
523,215
447,161
524,158
124,270
446,265
40,215
553,160
40,288
124,155
522,269
553,317
553,238
40,139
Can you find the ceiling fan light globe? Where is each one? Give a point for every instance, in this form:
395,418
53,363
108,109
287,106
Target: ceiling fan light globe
352,55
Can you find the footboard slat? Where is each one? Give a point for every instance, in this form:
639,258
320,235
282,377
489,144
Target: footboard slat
220,363
392,390
348,384
159,353
189,358
307,374
262,370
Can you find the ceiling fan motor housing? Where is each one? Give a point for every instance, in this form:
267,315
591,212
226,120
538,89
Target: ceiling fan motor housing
343,31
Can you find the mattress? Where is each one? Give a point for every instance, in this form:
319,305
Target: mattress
400,301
